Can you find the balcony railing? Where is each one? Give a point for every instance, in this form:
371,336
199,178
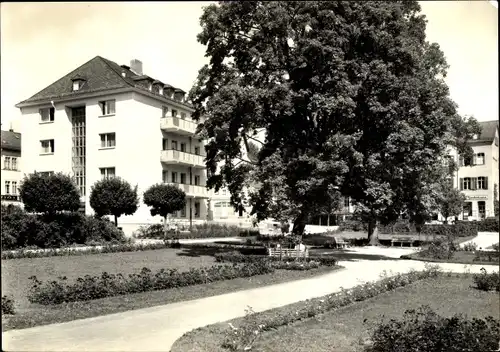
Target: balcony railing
192,191
178,125
171,156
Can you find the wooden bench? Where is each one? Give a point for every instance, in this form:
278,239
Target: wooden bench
402,240
340,243
287,252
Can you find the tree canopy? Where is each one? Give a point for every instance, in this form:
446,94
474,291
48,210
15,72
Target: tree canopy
49,194
164,199
351,99
113,196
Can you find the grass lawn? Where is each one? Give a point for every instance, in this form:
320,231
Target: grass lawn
15,273
344,329
463,257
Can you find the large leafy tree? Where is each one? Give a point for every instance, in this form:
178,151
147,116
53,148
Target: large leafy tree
164,199
113,196
350,98
49,193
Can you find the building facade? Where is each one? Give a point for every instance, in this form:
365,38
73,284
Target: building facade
11,167
106,120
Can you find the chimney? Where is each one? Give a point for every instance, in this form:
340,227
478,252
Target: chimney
136,66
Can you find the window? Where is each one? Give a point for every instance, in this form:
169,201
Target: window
197,209
183,212
107,107
479,159
482,182
164,111
197,150
465,183
164,143
46,173
47,146
174,145
6,163
7,187
107,172
164,176
224,192
174,177
14,164
481,205
14,187
197,180
76,85
183,147
183,178
183,115
467,210
108,140
47,114
174,113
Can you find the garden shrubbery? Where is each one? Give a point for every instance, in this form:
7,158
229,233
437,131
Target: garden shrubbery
353,225
7,306
488,225
487,282
21,230
236,257
205,230
107,285
424,330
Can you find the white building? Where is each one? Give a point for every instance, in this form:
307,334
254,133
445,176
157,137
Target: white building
11,167
104,120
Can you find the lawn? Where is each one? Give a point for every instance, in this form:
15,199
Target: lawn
15,274
345,329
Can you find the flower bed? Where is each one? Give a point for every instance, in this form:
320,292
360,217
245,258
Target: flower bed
109,285
236,257
156,231
487,282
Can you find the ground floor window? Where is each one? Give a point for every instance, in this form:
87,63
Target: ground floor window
467,210
481,209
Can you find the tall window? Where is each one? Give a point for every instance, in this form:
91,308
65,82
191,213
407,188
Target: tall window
183,212
164,144
47,114
481,205
482,182
196,209
107,107
467,210
164,111
466,183
6,163
14,187
197,150
479,159
174,177
14,164
174,113
78,122
47,146
174,145
465,161
107,172
183,178
7,187
108,140
183,147
164,176
197,180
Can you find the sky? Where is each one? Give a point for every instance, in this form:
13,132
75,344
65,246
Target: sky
41,42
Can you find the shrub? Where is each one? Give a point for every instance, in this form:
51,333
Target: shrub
353,225
487,282
237,257
424,330
243,338
438,249
469,247
7,306
496,247
488,225
107,285
205,230
296,265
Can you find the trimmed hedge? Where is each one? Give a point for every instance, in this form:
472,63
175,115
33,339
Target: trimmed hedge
488,225
424,330
236,257
108,285
205,230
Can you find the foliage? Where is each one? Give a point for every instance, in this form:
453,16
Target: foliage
164,199
424,330
107,285
49,194
8,306
237,257
349,97
274,318
113,196
451,201
353,225
243,338
439,249
487,282
488,225
495,200
496,247
469,247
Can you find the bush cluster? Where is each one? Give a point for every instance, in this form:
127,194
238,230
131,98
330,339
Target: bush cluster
205,230
488,225
241,248
274,318
438,249
469,247
487,282
7,306
236,257
21,230
424,330
353,225
107,285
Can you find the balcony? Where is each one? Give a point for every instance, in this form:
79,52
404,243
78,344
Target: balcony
178,126
192,191
177,157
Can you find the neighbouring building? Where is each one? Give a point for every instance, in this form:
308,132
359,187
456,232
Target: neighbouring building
478,178
11,167
105,120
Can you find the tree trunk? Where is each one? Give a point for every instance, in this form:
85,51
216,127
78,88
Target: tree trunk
373,232
165,229
116,221
299,226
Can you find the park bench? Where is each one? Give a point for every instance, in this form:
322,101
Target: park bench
287,252
340,242
402,240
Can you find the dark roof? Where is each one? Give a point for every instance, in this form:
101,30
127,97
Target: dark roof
11,140
99,74
488,132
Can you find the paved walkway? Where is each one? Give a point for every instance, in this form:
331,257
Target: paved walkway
483,240
157,328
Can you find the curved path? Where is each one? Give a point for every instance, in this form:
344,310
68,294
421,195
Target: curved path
157,328
483,240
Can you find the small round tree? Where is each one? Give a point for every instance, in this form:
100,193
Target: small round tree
164,199
49,194
113,196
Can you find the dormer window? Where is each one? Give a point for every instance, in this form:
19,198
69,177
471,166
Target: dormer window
77,83
168,91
